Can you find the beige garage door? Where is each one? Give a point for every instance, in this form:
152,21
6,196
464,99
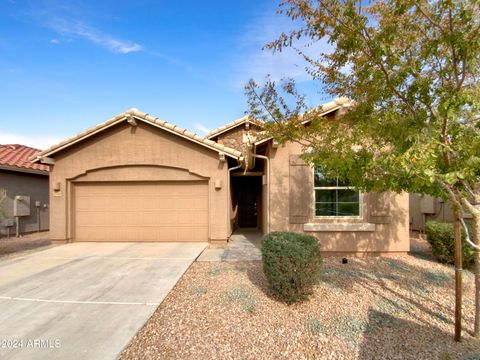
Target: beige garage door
160,211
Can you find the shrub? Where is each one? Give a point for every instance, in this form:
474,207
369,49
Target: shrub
441,238
292,264
315,326
243,296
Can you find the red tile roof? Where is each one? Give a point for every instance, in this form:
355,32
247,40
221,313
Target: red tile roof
18,156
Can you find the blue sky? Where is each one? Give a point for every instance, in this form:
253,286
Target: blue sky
68,65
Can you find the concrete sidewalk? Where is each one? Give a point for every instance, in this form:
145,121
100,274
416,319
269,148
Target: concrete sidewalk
243,246
85,300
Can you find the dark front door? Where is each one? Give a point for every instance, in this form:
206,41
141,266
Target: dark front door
247,192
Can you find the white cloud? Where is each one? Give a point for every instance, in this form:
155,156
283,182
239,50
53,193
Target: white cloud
37,141
201,128
252,62
60,41
81,30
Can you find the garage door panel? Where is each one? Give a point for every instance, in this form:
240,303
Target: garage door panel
113,221
149,219
199,203
185,217
116,202
92,219
192,217
166,204
195,233
152,203
163,211
129,219
86,203
200,218
184,203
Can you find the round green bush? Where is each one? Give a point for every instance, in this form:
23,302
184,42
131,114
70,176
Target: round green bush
292,263
441,238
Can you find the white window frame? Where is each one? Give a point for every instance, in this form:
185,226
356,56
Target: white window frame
360,200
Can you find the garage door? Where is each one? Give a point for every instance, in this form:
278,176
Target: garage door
160,211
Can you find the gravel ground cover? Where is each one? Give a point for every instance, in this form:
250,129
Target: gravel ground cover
397,307
19,246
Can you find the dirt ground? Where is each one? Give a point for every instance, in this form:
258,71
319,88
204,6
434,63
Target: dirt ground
18,246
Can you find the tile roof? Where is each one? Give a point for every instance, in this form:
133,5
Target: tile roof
334,104
325,108
233,124
18,156
337,103
137,114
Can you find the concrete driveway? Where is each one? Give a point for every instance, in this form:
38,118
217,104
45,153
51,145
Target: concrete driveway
85,300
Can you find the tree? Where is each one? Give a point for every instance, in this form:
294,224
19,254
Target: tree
411,69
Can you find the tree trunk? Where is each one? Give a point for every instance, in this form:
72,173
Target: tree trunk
476,331
475,234
458,276
474,210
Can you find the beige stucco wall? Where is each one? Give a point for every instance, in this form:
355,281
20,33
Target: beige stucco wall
141,153
265,197
388,212
35,186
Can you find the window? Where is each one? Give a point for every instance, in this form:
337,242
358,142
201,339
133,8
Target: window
334,198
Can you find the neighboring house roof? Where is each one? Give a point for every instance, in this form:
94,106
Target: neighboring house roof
132,114
324,109
330,106
233,124
16,157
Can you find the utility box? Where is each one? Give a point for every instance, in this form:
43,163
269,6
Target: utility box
21,205
427,204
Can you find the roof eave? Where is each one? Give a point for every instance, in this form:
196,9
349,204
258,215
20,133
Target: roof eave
232,125
124,117
66,143
24,170
264,140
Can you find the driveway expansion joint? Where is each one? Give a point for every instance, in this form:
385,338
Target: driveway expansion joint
78,301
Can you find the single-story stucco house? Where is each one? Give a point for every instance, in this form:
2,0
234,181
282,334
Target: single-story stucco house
138,178
26,186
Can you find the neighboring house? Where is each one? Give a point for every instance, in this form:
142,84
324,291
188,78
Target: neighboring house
26,185
425,208
138,178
